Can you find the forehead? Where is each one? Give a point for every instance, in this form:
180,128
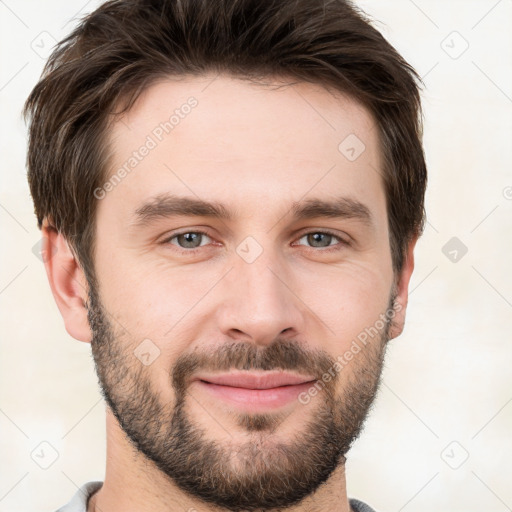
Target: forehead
242,142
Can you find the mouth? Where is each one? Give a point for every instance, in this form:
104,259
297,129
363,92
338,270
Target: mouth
255,391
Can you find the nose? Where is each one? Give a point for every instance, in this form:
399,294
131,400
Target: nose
259,302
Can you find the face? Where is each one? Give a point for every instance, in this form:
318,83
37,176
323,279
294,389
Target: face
288,277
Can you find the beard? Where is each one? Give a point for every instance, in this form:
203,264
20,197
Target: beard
264,472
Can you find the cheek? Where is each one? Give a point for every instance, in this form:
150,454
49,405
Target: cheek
154,307
347,300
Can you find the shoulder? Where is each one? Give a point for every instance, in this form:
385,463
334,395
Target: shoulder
359,506
79,500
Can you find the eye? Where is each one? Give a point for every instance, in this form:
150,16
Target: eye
323,239
187,240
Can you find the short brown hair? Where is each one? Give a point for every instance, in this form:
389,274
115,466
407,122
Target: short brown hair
122,47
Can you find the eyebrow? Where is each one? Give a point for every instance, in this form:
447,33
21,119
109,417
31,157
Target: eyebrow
167,205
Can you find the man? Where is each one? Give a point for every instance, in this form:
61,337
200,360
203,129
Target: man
230,194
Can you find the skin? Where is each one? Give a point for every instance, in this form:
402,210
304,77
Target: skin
254,149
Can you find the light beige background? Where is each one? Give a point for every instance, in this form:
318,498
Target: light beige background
447,389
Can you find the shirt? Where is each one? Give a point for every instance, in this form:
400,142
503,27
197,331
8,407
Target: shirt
79,501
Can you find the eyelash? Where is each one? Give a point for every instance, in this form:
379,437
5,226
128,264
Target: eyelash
342,243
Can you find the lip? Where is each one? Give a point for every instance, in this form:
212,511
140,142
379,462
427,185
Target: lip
256,380
255,392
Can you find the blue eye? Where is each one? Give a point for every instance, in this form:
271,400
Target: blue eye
322,237
189,241
188,238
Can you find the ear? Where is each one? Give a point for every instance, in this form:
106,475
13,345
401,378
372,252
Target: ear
402,291
67,281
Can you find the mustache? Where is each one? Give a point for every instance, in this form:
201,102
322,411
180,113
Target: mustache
281,354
